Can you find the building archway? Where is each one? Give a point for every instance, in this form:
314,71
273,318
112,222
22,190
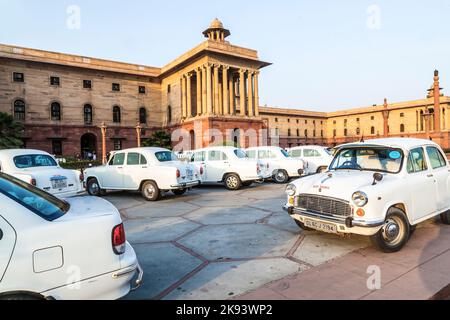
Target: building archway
237,137
88,146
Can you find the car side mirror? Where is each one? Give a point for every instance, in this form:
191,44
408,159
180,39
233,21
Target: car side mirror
377,177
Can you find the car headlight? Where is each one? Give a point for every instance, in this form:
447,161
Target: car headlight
360,199
291,190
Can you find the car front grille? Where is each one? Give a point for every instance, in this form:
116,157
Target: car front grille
323,205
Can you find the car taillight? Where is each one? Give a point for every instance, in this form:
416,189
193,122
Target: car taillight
201,170
33,182
119,239
178,174
258,169
81,177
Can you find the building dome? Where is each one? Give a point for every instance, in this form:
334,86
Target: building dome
216,31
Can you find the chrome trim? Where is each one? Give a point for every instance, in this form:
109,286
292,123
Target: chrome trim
185,185
138,282
127,271
336,220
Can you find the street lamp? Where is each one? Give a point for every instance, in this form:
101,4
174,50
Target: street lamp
103,130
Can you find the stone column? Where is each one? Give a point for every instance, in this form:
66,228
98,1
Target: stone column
437,103
385,119
242,91
138,134
231,91
183,97
257,94
189,95
220,99
250,94
216,89
226,95
199,92
204,98
209,101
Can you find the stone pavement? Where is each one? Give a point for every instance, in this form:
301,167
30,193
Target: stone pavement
419,272
215,244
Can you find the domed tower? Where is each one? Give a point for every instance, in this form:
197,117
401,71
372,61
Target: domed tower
216,31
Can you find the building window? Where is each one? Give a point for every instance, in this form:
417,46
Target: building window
54,81
289,120
372,118
57,147
402,115
141,89
117,144
142,115
358,131
88,114
314,133
334,122
402,128
276,119
19,110
345,132
321,133
306,121
345,122
55,111
334,133
372,130
18,77
298,121
116,114
357,120
87,84
168,88
298,133
306,133
321,122
115,87
289,132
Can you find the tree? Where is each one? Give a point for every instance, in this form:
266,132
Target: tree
11,132
160,139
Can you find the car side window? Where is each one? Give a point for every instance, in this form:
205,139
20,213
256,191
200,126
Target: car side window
133,159
311,153
199,156
117,160
437,160
251,154
271,154
416,161
217,156
143,160
262,154
296,153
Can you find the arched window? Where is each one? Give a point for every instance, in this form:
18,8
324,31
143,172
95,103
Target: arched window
306,133
55,111
87,114
116,114
19,110
142,115
372,130
402,128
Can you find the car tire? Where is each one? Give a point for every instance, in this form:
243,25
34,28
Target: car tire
232,182
179,192
247,183
281,177
321,169
445,217
93,188
150,191
394,234
21,297
302,226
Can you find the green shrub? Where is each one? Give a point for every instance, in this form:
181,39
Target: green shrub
80,165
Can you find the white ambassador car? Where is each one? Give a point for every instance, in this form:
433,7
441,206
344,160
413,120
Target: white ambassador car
151,171
316,158
380,188
73,249
41,170
227,165
280,166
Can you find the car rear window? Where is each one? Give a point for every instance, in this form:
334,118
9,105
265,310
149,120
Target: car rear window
34,160
166,156
37,201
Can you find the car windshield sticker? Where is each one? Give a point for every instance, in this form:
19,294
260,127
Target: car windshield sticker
395,155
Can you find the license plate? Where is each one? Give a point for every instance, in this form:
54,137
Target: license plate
59,184
190,174
321,226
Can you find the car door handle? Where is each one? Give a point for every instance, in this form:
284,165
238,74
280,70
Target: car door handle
144,167
430,175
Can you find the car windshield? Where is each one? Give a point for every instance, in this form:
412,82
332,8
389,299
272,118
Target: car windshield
166,156
37,201
34,160
285,153
240,154
379,159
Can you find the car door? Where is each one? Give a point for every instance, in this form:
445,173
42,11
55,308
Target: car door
134,170
216,166
114,172
313,158
7,243
440,169
421,185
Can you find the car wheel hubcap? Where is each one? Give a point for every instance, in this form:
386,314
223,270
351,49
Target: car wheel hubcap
232,182
94,188
280,176
392,231
150,191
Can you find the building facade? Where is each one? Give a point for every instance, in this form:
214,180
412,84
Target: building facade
64,100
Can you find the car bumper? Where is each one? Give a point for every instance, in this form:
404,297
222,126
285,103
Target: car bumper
345,225
185,185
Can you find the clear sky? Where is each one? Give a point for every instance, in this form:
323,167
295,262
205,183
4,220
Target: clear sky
327,55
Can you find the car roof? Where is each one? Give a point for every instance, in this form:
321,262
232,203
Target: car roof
264,147
309,147
221,148
403,143
20,152
144,149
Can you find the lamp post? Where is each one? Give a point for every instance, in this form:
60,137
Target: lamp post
138,134
103,129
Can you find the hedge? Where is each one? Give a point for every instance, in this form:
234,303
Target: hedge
80,165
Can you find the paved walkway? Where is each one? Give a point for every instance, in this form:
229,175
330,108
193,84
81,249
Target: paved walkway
419,272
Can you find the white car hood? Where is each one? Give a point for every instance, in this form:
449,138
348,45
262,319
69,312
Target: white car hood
337,184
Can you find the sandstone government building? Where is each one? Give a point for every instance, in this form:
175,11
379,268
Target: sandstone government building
63,100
